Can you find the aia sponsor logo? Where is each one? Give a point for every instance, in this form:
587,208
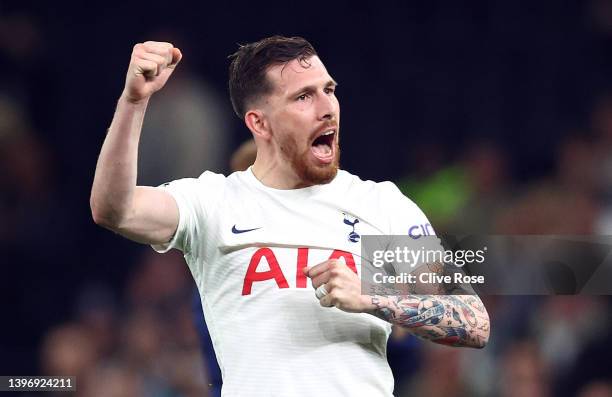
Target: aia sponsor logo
276,273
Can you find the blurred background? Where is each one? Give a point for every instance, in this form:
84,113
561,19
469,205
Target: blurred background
495,117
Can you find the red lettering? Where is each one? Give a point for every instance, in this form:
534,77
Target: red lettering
302,262
348,258
275,273
253,275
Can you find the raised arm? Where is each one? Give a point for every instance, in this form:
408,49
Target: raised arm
140,213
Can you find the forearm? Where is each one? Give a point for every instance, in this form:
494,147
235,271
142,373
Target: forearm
456,320
115,178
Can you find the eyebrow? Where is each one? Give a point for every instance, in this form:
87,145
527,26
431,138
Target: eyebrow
312,88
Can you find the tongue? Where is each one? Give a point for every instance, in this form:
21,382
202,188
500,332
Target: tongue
322,151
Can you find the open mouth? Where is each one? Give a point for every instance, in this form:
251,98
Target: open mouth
323,146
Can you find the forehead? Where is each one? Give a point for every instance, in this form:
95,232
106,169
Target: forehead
296,74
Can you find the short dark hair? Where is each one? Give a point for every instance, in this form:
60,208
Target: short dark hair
248,67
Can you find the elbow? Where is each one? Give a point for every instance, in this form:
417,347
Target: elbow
483,332
102,215
100,218
476,340
97,214
482,341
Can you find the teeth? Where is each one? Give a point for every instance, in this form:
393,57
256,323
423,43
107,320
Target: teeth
328,133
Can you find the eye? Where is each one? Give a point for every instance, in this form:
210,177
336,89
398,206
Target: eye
329,90
302,97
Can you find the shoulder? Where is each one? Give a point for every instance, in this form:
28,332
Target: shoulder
383,197
205,187
385,190
204,178
210,176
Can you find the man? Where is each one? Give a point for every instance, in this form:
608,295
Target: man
253,239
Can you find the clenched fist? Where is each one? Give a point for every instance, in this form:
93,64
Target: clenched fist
338,286
151,65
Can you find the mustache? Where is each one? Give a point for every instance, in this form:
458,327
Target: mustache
332,124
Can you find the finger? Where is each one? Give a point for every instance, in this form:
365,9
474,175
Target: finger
158,59
316,269
321,291
321,279
159,44
159,48
177,55
146,68
326,301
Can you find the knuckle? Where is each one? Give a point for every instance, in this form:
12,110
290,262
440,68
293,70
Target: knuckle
150,46
153,57
139,49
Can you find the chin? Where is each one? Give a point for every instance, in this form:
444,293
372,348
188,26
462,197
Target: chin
311,172
321,175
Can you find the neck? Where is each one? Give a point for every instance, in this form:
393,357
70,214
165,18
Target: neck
273,174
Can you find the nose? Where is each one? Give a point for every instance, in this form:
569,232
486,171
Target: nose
327,107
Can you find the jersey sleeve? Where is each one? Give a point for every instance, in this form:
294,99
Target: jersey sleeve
405,217
195,199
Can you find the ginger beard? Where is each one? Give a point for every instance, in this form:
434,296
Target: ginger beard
305,165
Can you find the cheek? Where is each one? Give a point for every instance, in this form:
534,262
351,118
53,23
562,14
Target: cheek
303,106
297,121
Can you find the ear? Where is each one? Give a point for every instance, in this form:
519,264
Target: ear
257,123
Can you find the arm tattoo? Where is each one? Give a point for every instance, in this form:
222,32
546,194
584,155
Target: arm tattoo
450,314
459,320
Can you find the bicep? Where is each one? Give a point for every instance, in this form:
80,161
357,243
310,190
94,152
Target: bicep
153,218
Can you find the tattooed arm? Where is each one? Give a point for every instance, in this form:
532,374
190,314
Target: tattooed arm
455,320
452,314
446,313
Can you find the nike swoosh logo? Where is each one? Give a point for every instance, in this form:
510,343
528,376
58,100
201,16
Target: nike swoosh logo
238,231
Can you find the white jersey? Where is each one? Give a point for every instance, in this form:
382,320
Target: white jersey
246,243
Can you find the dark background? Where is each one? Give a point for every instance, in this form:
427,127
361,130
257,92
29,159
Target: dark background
421,85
